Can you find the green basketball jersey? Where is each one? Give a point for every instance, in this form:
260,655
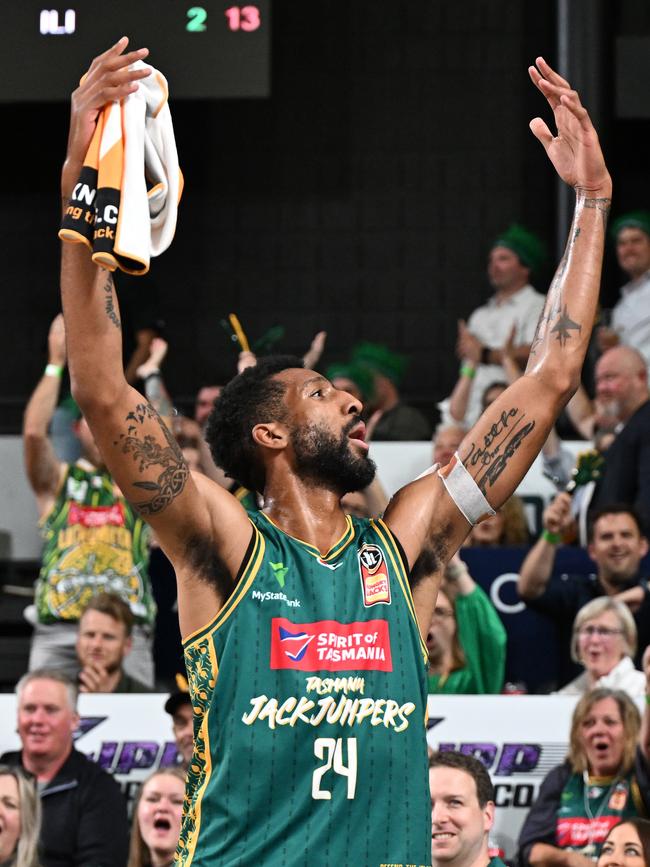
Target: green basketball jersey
247,498
309,696
94,541
588,812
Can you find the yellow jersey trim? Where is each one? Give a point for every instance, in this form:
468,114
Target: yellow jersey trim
241,492
636,797
386,536
334,551
204,731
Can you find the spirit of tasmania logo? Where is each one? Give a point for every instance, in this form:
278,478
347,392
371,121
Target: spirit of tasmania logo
328,645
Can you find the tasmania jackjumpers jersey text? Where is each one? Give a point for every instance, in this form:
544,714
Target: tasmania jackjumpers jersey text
309,698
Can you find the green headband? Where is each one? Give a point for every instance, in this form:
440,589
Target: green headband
380,359
529,247
356,373
631,220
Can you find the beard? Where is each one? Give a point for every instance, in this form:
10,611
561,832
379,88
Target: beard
322,459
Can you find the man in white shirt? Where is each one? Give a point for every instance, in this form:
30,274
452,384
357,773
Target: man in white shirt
630,324
508,319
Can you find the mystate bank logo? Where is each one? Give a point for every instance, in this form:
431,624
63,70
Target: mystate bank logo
328,645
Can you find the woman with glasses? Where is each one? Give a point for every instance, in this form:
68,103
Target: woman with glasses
466,639
604,642
604,780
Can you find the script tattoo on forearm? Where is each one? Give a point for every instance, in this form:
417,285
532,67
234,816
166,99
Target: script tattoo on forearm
499,445
109,304
147,452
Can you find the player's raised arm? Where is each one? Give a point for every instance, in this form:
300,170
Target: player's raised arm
140,452
500,448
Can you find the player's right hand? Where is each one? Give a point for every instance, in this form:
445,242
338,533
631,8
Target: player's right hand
110,77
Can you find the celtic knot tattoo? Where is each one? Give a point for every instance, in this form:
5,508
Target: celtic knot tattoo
147,452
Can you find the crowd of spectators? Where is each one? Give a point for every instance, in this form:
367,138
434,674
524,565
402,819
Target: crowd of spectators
100,608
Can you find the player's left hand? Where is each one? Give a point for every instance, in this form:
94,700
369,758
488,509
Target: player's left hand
575,150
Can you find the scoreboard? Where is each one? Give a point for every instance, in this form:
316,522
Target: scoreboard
210,49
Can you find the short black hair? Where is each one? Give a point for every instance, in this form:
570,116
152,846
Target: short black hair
615,509
471,766
250,398
177,699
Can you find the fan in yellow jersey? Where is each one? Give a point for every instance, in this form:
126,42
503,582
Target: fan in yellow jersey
302,636
94,542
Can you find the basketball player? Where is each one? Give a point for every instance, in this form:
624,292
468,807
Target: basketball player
303,640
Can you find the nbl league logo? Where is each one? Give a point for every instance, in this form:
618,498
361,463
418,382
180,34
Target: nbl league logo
373,572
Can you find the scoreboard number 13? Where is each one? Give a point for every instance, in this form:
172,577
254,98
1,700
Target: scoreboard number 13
244,18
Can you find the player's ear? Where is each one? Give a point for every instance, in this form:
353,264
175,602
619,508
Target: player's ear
271,435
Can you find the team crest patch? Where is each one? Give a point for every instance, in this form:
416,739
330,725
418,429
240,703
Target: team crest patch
373,571
618,798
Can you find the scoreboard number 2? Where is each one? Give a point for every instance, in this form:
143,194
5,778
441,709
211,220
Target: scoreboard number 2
196,18
330,751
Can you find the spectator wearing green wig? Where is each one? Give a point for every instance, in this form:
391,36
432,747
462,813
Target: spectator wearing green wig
630,321
501,329
389,418
353,378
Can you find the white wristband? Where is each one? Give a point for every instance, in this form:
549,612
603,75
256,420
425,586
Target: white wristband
464,491
53,370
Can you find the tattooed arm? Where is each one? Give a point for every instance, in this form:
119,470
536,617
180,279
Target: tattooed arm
500,448
203,530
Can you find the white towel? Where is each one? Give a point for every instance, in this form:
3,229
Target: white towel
124,206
